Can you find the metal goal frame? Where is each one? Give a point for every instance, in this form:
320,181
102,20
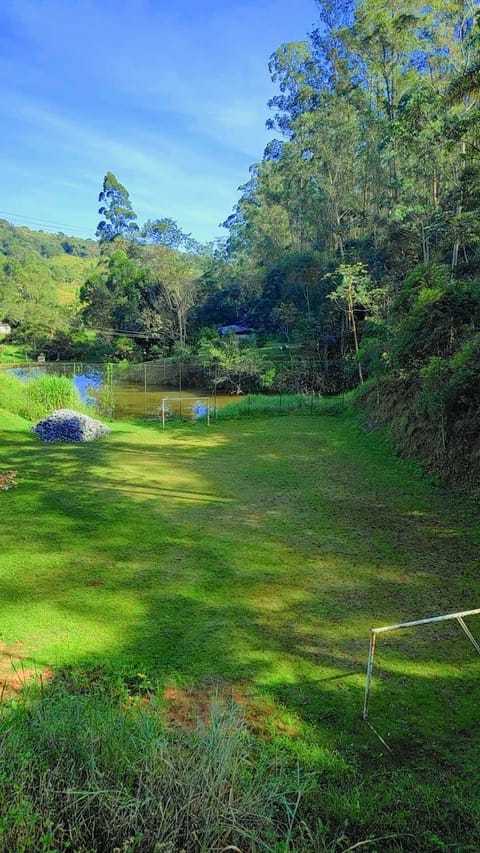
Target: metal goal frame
163,409
459,617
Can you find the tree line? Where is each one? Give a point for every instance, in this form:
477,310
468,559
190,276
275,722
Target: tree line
361,221
356,239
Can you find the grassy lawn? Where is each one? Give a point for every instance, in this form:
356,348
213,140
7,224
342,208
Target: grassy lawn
259,553
12,353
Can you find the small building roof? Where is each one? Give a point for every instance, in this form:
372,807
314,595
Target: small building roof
236,329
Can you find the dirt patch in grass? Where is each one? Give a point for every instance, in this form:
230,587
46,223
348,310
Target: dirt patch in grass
8,480
186,707
15,674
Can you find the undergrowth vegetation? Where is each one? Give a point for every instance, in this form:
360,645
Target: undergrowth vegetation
263,405
433,419
37,397
79,772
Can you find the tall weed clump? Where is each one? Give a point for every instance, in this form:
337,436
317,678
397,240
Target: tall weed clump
47,393
78,772
35,398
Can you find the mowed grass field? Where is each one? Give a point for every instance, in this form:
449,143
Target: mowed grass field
257,555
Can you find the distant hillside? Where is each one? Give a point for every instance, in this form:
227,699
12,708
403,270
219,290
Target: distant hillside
40,278
20,242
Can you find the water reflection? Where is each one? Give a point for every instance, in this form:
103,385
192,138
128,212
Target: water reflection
88,386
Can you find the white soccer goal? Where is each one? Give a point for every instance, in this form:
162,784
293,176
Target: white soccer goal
459,617
198,407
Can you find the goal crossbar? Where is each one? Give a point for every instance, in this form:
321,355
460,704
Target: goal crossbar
459,617
424,621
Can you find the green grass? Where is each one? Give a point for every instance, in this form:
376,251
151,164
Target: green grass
272,405
37,397
12,353
260,553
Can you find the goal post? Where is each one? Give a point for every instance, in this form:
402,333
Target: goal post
374,632
199,407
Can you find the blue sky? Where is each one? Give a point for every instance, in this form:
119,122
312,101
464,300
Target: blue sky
170,95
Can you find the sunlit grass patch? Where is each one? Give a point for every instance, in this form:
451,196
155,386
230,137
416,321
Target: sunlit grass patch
257,553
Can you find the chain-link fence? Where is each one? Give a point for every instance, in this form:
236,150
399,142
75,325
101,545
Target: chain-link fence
175,386
131,390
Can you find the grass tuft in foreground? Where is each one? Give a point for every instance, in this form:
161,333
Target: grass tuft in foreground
80,772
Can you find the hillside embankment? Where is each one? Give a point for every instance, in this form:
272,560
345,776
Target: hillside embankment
444,439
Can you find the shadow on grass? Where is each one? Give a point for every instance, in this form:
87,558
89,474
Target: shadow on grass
260,553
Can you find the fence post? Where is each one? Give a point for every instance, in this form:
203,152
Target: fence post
371,654
145,391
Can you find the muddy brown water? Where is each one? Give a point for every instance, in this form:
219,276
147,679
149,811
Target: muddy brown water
125,399
131,400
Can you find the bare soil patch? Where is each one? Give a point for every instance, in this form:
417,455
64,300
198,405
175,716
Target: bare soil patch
15,673
186,707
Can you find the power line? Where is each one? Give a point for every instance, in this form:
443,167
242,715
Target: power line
128,333
46,227
38,220
40,223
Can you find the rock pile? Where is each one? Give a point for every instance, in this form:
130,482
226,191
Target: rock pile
69,425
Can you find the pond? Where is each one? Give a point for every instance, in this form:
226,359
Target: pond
132,400
124,399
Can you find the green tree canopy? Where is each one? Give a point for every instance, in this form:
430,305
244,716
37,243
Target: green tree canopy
116,208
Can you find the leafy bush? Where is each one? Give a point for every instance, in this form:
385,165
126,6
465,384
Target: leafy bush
465,379
433,318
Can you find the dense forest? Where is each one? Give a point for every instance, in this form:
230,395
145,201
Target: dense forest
354,245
